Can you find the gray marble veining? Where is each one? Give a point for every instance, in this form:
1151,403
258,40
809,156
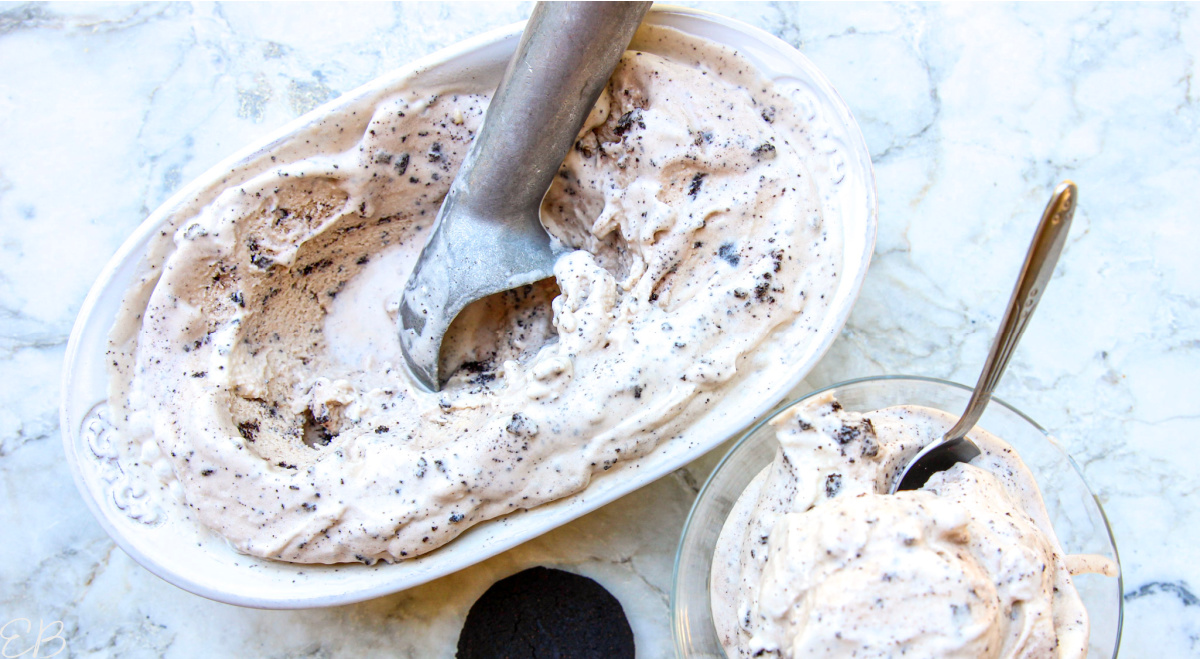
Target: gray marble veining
972,112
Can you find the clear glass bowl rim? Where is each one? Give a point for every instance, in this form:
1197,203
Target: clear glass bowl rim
673,603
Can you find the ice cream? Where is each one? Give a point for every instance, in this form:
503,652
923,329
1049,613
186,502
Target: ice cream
257,366
816,559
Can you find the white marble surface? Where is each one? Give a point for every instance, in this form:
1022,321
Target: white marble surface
972,114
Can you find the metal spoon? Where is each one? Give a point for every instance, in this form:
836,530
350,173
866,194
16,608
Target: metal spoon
1043,254
488,236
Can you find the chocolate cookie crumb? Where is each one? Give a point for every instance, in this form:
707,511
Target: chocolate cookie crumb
728,252
248,430
833,485
627,121
846,434
519,424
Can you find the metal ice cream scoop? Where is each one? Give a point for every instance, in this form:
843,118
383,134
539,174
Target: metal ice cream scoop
488,236
1043,254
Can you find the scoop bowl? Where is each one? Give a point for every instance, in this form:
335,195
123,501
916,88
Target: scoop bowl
1075,513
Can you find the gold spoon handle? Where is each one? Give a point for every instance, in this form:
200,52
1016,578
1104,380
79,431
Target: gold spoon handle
1039,265
1043,254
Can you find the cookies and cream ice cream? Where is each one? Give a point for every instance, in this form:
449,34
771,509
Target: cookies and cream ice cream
258,362
817,560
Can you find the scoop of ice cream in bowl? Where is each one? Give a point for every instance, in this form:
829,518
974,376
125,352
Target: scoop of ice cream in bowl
794,547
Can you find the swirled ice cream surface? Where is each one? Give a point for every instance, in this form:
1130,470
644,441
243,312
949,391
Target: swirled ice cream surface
262,377
817,560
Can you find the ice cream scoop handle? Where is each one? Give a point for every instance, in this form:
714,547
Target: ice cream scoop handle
1039,265
564,59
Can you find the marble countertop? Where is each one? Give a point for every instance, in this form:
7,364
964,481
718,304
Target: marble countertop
972,113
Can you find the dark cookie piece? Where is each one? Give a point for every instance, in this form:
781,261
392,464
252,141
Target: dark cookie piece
546,613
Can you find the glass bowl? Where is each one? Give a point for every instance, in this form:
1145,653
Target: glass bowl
1074,511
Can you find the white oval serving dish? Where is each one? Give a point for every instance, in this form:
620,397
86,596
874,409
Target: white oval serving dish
191,557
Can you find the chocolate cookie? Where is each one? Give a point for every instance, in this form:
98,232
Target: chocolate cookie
546,613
